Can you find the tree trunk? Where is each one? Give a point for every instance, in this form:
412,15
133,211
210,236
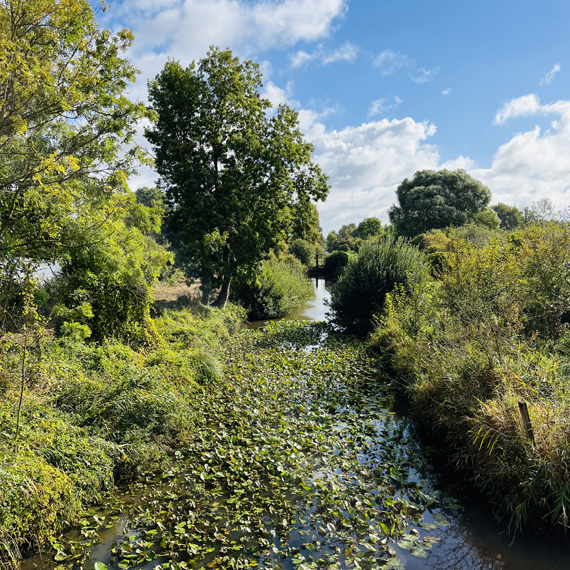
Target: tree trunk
222,299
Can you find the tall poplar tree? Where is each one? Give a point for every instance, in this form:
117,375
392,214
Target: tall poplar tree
233,173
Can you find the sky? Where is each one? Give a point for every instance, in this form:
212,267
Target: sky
385,88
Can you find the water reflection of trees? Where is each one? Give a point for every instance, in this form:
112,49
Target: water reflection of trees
457,551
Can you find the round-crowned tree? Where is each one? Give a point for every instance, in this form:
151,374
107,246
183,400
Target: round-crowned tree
237,179
437,199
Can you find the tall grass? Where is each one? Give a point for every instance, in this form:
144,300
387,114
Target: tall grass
468,347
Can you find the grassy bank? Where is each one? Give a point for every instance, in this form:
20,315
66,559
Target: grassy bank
487,334
94,415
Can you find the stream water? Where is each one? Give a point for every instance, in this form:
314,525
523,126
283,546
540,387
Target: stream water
331,502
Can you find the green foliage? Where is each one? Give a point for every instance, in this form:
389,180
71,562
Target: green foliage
63,119
296,427
487,218
510,216
93,415
336,262
281,287
369,227
378,268
438,199
488,333
303,251
114,277
346,239
235,177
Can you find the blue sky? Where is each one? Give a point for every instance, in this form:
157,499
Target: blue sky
388,87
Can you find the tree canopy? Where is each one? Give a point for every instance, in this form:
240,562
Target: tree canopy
510,216
369,227
437,199
64,118
233,173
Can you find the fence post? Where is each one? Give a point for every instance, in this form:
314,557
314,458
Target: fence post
526,421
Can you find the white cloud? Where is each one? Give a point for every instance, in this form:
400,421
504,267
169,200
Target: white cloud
278,96
446,91
391,61
547,79
526,105
184,29
380,105
367,163
347,52
423,75
533,164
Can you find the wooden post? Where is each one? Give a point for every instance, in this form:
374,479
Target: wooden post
526,421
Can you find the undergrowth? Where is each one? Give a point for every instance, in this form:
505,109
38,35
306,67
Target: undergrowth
94,415
470,346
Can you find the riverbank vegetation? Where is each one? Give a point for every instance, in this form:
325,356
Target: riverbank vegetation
475,342
94,415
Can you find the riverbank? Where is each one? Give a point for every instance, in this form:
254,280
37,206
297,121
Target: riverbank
97,415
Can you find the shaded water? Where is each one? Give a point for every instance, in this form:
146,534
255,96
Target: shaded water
460,530
314,309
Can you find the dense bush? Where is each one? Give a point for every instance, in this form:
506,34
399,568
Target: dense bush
280,287
303,251
469,346
380,266
336,262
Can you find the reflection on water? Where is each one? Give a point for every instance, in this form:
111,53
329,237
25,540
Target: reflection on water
312,310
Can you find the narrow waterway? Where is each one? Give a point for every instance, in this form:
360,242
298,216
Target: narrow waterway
301,461
473,539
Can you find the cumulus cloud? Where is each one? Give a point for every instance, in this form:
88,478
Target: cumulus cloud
388,62
547,79
278,96
346,52
533,164
367,163
446,92
184,29
379,106
519,107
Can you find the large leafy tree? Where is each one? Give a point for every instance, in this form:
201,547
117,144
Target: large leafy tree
236,177
64,118
437,199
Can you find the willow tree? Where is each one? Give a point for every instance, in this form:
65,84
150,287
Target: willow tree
235,175
64,118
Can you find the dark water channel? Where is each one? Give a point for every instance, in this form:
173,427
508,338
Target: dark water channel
461,531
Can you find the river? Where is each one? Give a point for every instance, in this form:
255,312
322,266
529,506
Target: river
473,540
365,448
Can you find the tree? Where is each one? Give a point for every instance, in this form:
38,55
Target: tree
369,227
63,119
437,199
232,173
510,216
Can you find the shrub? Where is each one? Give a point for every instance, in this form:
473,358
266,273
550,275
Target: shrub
378,268
280,288
336,262
487,334
303,251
